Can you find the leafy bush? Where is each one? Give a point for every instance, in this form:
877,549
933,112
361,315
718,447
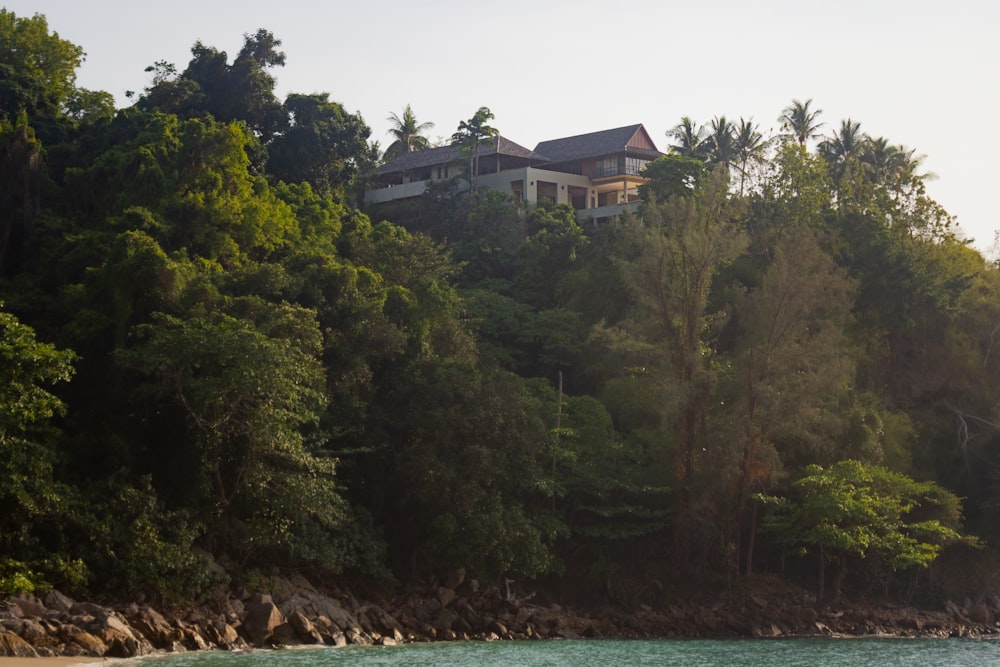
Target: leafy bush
17,578
136,547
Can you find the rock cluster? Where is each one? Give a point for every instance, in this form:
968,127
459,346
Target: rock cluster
295,613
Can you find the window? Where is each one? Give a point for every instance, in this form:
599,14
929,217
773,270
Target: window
572,168
548,192
517,189
634,165
607,166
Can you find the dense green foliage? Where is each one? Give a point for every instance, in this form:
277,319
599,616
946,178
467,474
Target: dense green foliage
208,352
856,510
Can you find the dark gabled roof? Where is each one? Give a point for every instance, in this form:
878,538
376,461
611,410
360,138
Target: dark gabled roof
419,159
508,147
447,154
592,144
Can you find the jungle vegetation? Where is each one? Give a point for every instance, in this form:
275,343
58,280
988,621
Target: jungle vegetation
210,350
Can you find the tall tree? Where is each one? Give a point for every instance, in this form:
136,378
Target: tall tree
793,365
749,147
847,143
894,168
407,134
210,85
251,85
720,142
471,133
683,243
323,147
39,104
37,68
800,122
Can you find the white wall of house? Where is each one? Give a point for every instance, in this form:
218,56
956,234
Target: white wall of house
530,177
529,180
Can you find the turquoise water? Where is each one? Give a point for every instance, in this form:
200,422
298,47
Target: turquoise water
607,653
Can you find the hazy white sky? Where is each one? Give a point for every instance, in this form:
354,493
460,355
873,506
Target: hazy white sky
918,72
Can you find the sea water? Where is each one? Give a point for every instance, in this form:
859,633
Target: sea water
611,653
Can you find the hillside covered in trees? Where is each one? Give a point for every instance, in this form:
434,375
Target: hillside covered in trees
211,354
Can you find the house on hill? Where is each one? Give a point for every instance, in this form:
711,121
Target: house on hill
596,173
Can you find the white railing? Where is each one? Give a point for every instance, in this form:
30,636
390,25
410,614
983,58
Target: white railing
392,192
608,211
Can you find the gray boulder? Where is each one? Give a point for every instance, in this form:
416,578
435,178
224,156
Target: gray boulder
223,635
261,619
29,605
58,602
357,637
155,628
87,643
305,631
284,634
121,640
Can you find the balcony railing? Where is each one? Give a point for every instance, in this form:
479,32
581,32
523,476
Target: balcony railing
609,211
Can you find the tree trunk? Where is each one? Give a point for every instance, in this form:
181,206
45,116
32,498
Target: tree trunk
750,540
558,426
838,577
684,476
822,577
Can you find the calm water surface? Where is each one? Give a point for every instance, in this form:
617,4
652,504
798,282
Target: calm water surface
608,653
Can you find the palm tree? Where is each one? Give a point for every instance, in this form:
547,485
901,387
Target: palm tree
893,167
800,122
408,134
689,139
749,144
846,144
881,159
720,142
471,133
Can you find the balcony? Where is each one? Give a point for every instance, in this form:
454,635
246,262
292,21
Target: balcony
382,195
603,212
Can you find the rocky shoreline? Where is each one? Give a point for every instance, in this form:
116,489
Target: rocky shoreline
293,612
